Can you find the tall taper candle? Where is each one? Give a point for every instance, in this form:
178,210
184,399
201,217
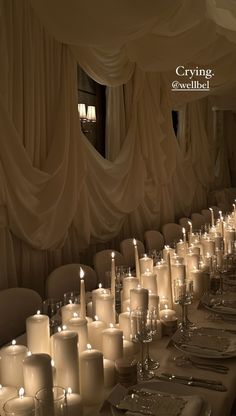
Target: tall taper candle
113,274
82,295
137,267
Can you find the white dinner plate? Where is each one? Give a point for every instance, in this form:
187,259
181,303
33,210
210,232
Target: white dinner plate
196,405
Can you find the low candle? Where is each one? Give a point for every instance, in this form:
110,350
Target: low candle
67,311
74,403
167,314
124,324
129,283
6,393
11,364
21,406
91,376
38,333
95,333
161,271
112,343
105,308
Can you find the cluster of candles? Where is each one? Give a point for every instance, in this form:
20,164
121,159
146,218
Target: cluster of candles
81,355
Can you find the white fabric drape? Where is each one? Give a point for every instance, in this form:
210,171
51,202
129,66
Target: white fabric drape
58,195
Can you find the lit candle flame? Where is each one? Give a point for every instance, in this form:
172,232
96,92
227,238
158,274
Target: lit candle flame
89,346
100,285
70,301
59,329
38,312
96,318
189,223
134,242
64,327
21,392
0,386
29,353
111,325
69,390
112,255
81,273
52,363
13,342
75,315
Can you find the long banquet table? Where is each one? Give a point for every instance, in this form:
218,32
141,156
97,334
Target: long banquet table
220,402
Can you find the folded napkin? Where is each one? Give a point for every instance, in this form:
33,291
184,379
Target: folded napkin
224,309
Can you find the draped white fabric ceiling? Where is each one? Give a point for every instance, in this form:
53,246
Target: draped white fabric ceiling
55,188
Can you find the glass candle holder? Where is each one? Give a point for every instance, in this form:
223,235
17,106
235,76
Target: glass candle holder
52,401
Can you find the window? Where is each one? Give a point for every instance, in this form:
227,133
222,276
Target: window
92,93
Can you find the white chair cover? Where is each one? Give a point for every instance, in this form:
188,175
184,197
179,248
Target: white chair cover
154,240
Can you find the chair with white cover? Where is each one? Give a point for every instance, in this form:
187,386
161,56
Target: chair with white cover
198,221
184,222
66,278
172,233
102,264
16,304
127,249
154,240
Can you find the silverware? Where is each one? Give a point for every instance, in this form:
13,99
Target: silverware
216,387
191,378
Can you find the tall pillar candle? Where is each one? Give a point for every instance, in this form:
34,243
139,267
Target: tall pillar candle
38,333
65,356
192,261
79,325
163,283
109,373
148,280
167,250
125,325
129,283
91,376
153,301
208,246
181,248
177,271
139,298
112,343
136,256
95,330
146,264
11,364
37,370
105,308
95,294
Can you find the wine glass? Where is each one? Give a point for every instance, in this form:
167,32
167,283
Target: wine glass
183,295
140,332
151,363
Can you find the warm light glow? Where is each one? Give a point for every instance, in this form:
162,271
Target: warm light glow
64,327
96,318
13,342
183,230
111,325
21,392
91,113
112,255
29,353
211,209
38,312
189,223
134,242
59,329
52,363
69,390
128,309
82,111
100,285
0,386
70,301
75,315
145,255
81,273
89,346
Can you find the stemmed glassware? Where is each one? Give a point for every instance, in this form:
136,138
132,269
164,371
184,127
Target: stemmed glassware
183,295
141,333
51,308
151,363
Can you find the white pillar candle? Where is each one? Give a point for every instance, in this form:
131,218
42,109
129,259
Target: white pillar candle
65,356
162,275
74,403
6,393
212,217
67,312
82,295
146,264
11,364
177,271
37,370
113,274
208,246
91,376
192,261
130,348
139,298
190,232
125,325
79,325
38,333
194,249
229,238
148,280
105,308
95,294
176,258
21,405
129,283
95,333
136,256
200,282
153,301
90,309
167,250
109,373
112,343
